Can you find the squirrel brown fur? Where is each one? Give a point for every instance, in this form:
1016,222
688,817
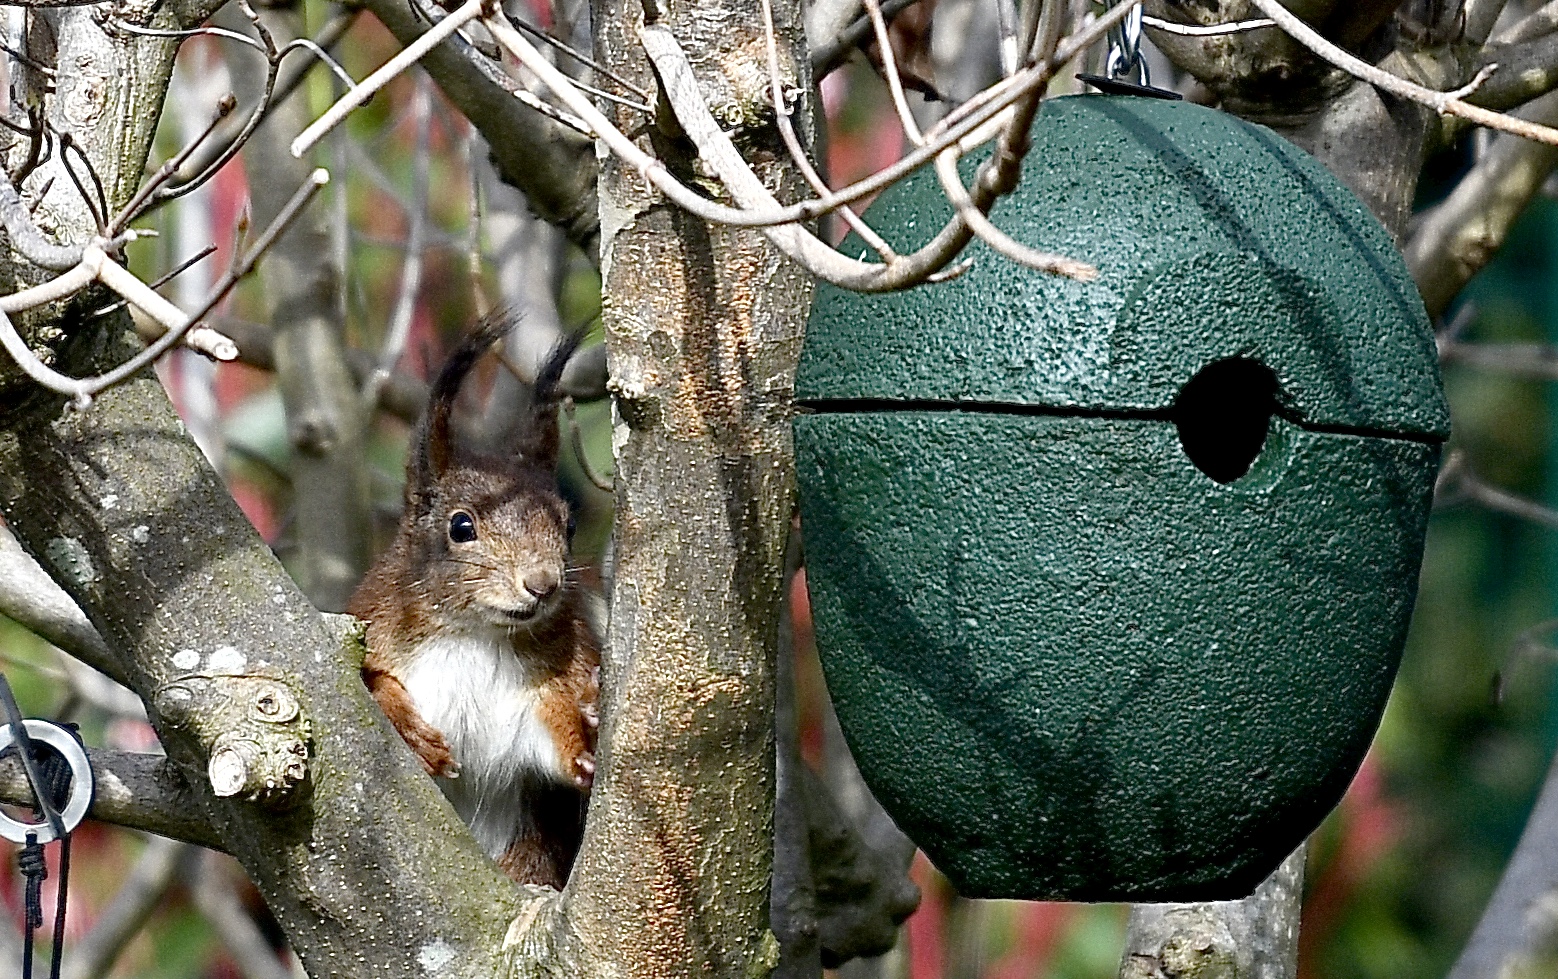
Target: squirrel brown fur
480,649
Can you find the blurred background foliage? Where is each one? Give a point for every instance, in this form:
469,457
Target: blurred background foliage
1398,874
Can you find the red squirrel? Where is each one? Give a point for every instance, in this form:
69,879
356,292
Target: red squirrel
480,649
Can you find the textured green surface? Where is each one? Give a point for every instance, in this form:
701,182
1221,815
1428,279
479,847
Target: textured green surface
1213,237
1069,663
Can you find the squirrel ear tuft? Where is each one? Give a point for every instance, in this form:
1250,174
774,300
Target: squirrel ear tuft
540,445
433,448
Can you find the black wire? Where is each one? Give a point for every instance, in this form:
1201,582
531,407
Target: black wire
59,909
34,871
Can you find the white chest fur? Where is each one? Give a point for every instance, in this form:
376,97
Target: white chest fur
472,688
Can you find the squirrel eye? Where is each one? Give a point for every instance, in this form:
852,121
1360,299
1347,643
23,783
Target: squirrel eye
462,529
573,525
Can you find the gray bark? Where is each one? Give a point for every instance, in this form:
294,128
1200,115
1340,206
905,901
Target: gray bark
363,863
703,328
1256,938
553,166
325,419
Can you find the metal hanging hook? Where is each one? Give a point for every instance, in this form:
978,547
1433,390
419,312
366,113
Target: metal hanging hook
1125,50
1125,70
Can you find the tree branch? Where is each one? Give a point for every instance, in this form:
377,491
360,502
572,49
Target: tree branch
30,597
1524,71
210,615
1455,238
326,423
137,791
1256,938
1519,929
140,894
554,166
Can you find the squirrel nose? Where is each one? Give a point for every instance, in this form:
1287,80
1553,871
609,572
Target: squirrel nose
541,583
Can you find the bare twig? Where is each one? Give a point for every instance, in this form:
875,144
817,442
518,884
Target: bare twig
792,142
1008,159
682,92
828,56
1536,361
30,597
53,290
1478,18
212,890
1543,20
136,204
473,260
1458,482
1455,238
602,483
201,339
411,267
1444,103
581,58
290,75
95,264
766,211
231,147
1207,30
408,56
140,894
25,236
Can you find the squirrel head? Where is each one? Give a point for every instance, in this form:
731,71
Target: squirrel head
489,531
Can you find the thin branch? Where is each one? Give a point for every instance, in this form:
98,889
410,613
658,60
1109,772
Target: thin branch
1008,158
554,167
1536,361
766,211
25,236
1458,482
826,57
1206,30
473,260
1444,103
1455,238
408,56
1478,18
682,92
580,57
52,290
31,598
97,265
1543,20
267,47
602,483
132,789
411,268
290,75
1525,70
792,143
211,888
136,204
141,893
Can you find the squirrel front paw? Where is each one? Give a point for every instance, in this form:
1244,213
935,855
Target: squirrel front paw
584,770
589,706
433,751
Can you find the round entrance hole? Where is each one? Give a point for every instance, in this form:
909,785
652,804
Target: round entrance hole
1222,415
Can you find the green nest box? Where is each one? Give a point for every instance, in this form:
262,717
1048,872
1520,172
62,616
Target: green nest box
1111,579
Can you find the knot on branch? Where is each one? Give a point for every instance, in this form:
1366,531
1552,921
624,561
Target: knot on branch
1196,945
251,728
530,945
